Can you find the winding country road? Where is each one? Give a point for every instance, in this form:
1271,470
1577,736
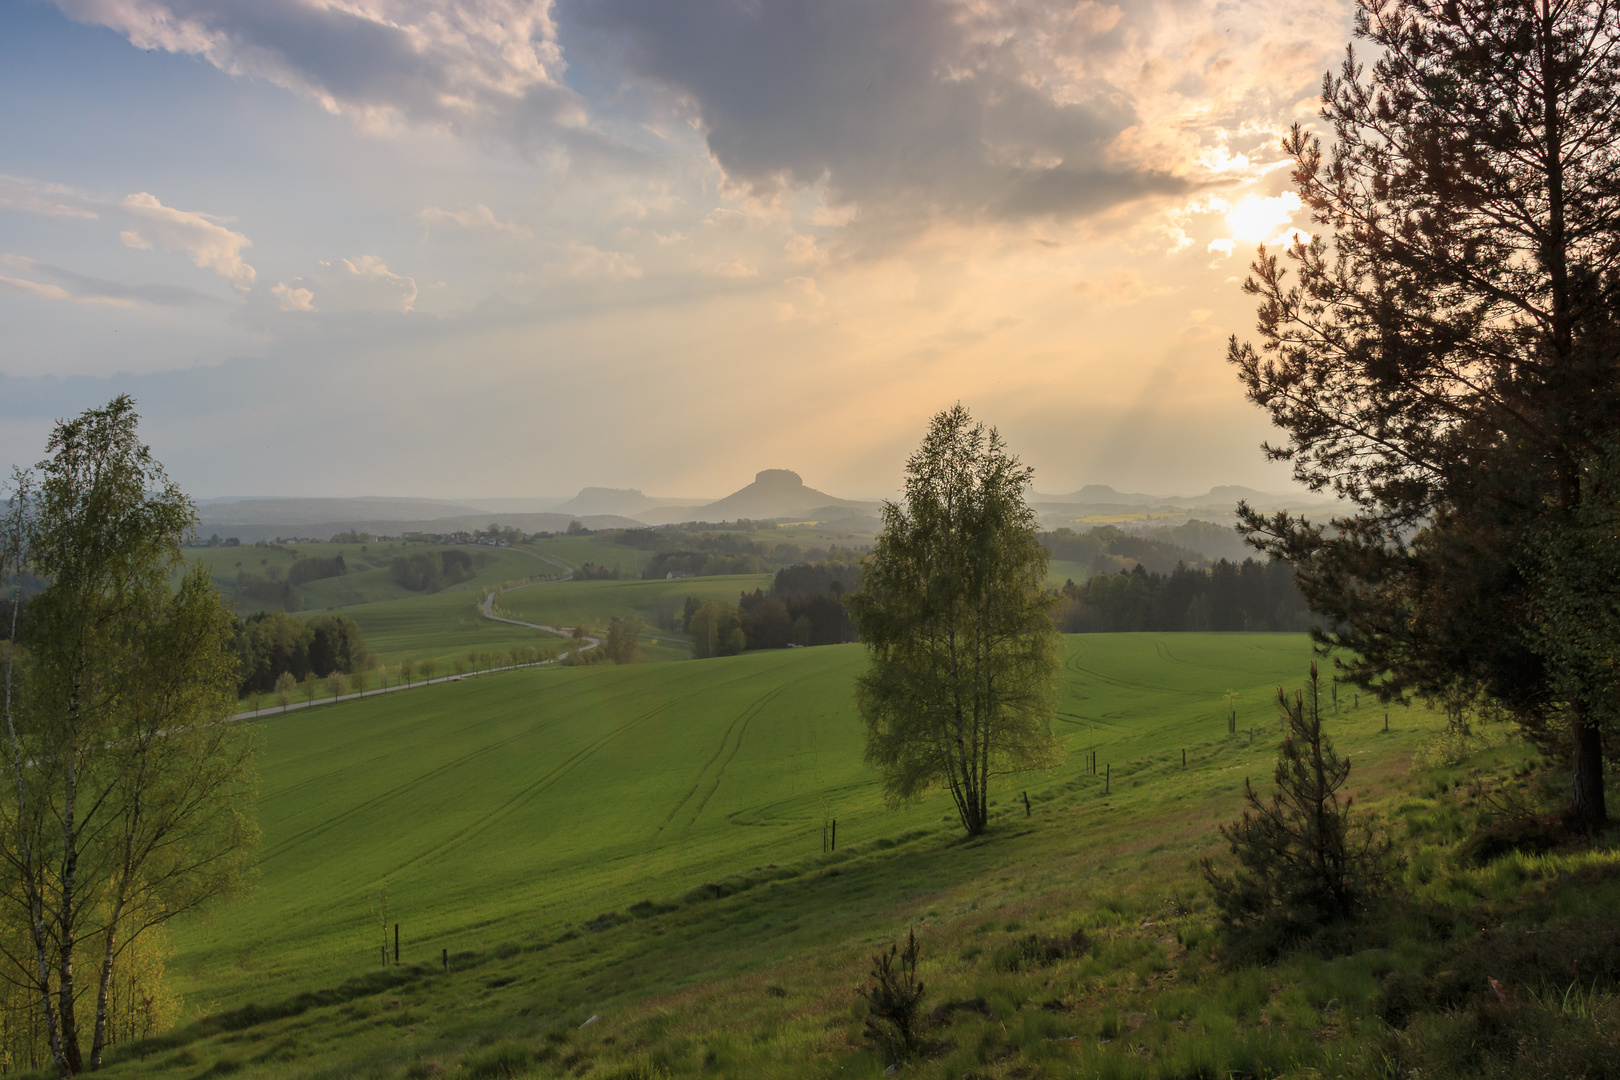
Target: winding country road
486,609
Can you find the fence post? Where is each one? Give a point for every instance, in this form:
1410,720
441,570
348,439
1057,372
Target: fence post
1108,778
1026,804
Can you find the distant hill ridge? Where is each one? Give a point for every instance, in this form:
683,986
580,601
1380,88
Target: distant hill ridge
626,502
775,493
1225,495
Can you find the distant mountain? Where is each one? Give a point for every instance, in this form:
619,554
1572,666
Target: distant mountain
775,493
1224,497
538,505
626,502
1098,495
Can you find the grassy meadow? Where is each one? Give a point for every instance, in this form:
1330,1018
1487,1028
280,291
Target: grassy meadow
594,603
368,580
644,844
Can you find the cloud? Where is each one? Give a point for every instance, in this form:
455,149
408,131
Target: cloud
293,299
918,107
211,245
479,219
202,236
467,65
802,251
734,267
585,261
51,200
62,284
371,270
34,288
1120,288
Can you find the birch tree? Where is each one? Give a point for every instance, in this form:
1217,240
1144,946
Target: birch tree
955,616
127,799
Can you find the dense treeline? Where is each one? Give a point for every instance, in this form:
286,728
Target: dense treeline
804,607
731,553
1250,595
725,553
701,564
1107,549
430,571
715,628
268,588
316,568
273,642
812,595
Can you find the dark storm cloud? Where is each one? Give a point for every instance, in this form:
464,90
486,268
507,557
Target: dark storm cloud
909,109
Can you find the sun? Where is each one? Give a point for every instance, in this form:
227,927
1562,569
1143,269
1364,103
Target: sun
1258,218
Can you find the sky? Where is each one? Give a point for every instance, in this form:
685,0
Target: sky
519,247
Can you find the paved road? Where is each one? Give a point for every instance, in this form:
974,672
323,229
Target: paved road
487,610
484,609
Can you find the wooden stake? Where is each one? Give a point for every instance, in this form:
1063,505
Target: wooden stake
1026,804
1183,757
1386,721
396,943
447,961
1108,777
835,834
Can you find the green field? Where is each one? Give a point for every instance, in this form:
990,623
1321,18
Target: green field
368,580
397,623
643,844
511,805
594,603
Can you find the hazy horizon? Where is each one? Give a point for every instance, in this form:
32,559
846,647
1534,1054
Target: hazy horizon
522,247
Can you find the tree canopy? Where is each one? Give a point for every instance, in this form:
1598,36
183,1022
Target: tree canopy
127,799
954,614
1444,357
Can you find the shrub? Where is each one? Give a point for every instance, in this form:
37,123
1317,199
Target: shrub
1304,861
894,1000
509,1059
1033,951
1579,951
1529,833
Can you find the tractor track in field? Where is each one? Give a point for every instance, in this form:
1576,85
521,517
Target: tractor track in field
532,791
393,792
1125,684
427,741
528,793
744,719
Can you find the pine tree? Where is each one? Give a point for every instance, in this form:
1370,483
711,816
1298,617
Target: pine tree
1446,358
1304,860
